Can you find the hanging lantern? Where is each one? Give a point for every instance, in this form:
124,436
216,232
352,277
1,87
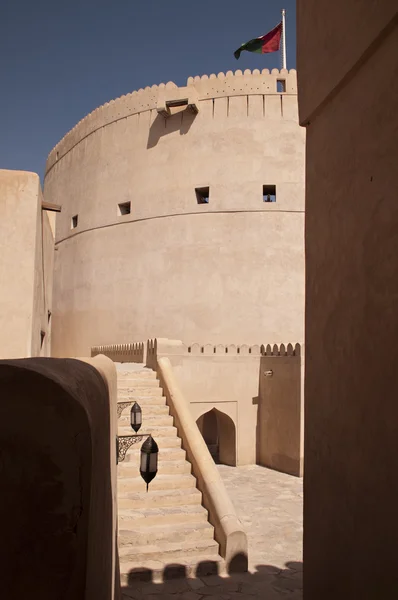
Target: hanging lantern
149,460
136,417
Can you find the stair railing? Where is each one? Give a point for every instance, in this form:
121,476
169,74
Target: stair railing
229,532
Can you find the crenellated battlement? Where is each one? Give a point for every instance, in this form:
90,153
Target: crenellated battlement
206,87
240,73
244,82
243,349
281,350
135,352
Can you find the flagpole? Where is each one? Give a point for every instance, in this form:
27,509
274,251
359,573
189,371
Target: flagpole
283,38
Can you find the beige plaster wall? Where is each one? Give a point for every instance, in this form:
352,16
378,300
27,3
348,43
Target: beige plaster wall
351,380
266,418
173,268
230,385
227,382
26,266
343,51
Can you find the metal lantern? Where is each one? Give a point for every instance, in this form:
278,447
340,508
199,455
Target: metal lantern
149,460
136,417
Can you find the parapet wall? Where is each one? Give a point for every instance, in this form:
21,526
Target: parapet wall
230,84
257,389
164,347
139,352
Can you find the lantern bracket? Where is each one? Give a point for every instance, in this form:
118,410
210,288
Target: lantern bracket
124,443
121,406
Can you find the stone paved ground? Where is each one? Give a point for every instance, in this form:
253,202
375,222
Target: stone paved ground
270,507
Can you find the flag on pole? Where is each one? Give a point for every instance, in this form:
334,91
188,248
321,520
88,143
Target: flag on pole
270,42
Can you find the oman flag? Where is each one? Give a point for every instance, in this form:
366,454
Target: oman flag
270,42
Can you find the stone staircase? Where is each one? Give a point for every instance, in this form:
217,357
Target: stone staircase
168,525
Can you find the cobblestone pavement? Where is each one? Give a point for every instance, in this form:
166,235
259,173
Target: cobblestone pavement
270,506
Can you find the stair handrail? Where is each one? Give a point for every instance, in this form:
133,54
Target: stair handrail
229,532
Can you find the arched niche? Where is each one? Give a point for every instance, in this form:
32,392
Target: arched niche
219,433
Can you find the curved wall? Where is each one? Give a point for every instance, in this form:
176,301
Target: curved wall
230,271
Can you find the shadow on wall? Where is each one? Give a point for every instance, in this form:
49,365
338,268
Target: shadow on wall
219,433
267,582
47,461
161,126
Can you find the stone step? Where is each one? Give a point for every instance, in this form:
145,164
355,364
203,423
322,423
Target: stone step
142,400
169,551
161,482
129,391
148,420
157,431
145,535
148,410
137,382
159,498
166,453
159,516
194,566
167,467
139,374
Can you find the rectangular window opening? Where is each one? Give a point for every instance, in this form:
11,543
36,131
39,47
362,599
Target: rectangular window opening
74,221
269,193
124,208
202,195
281,85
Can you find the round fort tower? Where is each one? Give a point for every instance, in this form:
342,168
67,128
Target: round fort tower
167,228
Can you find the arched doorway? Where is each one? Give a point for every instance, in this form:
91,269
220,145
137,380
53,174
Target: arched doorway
208,427
218,430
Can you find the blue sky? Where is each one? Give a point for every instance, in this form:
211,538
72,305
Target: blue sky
60,60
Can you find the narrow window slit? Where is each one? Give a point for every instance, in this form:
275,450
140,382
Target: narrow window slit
269,193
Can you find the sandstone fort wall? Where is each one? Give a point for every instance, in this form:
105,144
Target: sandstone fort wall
231,269
26,267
